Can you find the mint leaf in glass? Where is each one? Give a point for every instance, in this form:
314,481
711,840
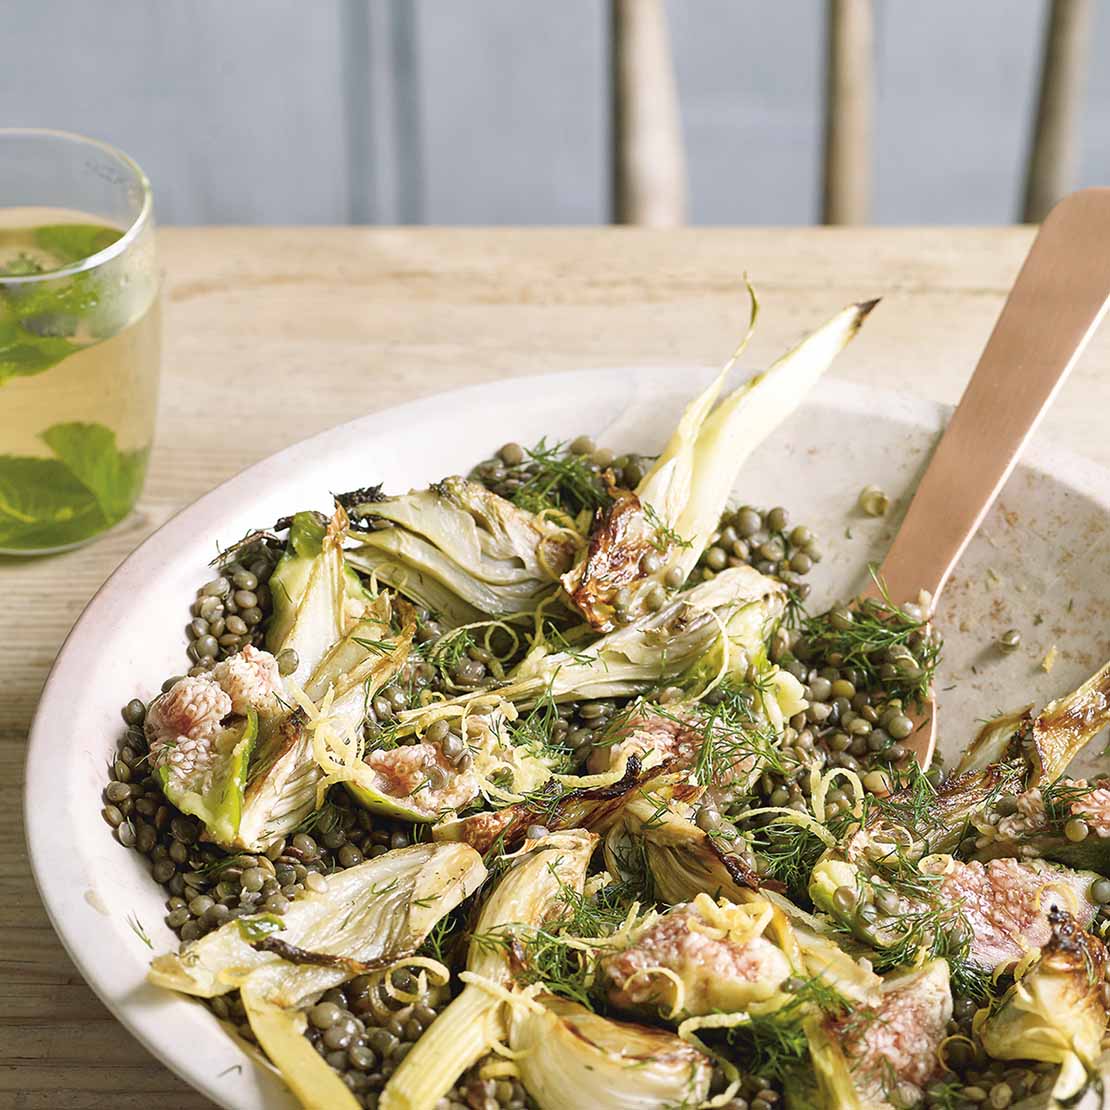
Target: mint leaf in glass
38,320
88,486
43,505
70,243
22,353
89,452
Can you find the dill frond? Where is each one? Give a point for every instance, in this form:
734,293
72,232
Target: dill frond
911,803
543,954
789,854
136,927
1061,794
775,1044
536,733
887,645
552,477
450,650
559,642
379,647
634,881
665,537
732,730
445,936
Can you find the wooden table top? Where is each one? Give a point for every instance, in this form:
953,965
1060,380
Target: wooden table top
274,334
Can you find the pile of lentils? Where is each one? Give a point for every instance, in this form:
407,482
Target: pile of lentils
764,539
514,467
230,611
850,723
359,1029
364,1033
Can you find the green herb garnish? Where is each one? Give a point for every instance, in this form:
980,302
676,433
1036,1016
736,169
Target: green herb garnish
535,732
891,648
40,320
546,957
137,928
554,478
87,486
788,853
775,1044
379,647
664,537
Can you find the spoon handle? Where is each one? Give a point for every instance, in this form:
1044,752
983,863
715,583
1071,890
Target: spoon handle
1052,311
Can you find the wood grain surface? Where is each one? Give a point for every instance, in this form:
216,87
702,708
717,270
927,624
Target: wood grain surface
274,334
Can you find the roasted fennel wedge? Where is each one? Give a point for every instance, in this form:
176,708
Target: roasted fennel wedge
1056,1011
656,647
490,554
653,834
420,587
531,891
1048,741
275,996
368,918
381,909
566,1050
308,587
655,534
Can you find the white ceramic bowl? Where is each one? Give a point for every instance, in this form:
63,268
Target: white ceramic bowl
1041,564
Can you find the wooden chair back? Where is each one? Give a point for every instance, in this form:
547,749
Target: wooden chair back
649,163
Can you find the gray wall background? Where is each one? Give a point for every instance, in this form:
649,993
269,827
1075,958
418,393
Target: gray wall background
496,111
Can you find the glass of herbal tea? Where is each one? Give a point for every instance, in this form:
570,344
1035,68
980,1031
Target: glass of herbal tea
79,338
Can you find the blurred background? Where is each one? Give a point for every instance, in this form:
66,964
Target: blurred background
578,112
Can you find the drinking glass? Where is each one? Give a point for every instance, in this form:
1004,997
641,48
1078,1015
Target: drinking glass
80,338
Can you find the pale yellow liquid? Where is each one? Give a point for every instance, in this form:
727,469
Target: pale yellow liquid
110,379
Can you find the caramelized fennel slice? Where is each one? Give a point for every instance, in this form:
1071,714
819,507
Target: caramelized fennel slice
385,905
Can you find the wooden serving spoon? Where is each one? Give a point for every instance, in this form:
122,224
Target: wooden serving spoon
1052,311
